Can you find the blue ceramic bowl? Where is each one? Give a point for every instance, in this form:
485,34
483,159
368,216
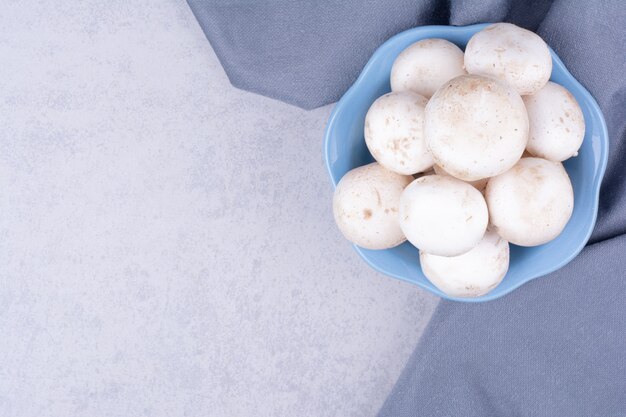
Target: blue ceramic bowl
345,149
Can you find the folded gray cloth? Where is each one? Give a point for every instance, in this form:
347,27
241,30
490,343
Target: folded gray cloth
308,53
557,345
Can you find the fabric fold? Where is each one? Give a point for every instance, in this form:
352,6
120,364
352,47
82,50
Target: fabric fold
556,347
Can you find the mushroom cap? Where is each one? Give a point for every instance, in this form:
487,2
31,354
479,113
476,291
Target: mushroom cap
476,127
443,215
473,273
366,205
394,132
557,124
510,53
531,203
425,65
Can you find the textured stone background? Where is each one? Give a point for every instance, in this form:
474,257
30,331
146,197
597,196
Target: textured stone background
166,241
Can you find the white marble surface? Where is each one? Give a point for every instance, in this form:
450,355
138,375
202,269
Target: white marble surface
166,241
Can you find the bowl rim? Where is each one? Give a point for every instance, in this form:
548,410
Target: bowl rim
597,181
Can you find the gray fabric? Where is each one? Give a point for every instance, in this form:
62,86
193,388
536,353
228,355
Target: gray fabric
556,346
306,54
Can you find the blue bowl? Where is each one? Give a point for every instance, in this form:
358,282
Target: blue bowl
345,149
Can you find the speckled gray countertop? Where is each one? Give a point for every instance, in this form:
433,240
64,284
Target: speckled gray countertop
167,245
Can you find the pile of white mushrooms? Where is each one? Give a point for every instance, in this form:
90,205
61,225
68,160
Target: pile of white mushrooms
469,149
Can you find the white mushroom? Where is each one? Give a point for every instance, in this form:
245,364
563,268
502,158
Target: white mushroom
443,215
366,205
531,203
424,66
394,133
471,274
557,125
476,127
478,184
510,53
